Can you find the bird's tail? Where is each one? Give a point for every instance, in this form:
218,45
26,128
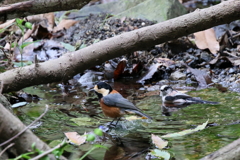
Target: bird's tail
142,114
209,102
202,101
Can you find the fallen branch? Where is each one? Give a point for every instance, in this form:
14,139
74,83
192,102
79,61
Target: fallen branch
229,152
26,8
9,146
70,64
10,126
17,135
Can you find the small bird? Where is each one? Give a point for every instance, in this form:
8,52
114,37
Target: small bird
113,104
169,95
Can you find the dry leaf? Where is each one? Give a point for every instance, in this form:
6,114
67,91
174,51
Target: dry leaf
159,142
202,77
7,24
75,138
234,61
65,23
120,68
151,71
131,118
207,39
165,61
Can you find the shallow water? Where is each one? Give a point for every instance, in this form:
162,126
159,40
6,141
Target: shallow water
131,139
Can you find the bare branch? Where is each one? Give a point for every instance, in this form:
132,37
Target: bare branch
70,64
49,151
17,135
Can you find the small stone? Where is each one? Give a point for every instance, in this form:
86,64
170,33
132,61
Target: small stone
178,75
205,56
232,70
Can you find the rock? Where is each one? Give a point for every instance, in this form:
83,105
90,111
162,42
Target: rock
232,70
156,10
89,78
177,76
205,56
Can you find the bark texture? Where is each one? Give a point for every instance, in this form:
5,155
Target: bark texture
70,64
26,8
229,152
11,125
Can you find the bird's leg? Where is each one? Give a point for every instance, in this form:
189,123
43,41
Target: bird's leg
111,125
117,121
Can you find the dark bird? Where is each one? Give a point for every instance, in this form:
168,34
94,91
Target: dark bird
169,95
113,104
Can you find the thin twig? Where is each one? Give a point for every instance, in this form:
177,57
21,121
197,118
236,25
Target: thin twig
10,145
26,127
50,150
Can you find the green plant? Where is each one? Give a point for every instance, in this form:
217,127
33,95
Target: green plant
95,146
92,137
33,152
23,26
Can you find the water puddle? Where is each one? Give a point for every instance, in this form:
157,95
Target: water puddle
79,111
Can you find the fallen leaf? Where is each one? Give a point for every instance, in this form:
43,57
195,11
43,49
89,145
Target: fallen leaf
207,39
75,138
83,121
137,68
234,61
131,118
69,47
159,142
120,68
42,32
65,23
185,132
161,154
164,61
202,77
151,71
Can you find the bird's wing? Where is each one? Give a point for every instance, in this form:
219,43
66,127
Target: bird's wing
117,100
175,95
181,95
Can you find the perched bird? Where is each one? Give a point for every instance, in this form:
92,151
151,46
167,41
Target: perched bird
169,95
113,104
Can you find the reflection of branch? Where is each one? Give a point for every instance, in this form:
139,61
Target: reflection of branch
26,127
10,145
50,150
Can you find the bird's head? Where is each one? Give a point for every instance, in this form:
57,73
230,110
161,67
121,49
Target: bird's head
165,90
102,89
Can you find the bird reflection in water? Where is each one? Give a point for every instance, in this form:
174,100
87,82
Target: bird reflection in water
168,108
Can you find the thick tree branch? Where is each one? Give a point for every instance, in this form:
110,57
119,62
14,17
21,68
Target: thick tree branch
70,64
32,7
11,126
229,152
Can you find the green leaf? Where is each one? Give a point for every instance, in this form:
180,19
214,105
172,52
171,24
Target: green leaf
14,44
161,154
19,21
69,47
33,146
83,121
82,46
100,146
28,25
21,64
24,44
